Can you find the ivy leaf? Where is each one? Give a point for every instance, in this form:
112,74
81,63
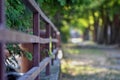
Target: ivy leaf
29,56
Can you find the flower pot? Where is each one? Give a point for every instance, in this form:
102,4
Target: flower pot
26,64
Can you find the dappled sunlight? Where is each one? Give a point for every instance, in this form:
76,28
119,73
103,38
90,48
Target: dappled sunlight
76,68
76,40
73,51
83,22
78,63
83,63
81,71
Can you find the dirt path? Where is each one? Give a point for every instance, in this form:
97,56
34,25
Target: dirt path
90,63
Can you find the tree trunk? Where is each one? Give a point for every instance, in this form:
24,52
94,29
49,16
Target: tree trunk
96,21
116,30
86,34
100,35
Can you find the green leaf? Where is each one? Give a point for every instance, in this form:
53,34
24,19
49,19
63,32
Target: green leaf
29,56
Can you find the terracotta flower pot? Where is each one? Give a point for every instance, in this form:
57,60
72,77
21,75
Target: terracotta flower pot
26,64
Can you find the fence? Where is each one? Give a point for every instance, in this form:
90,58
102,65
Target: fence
19,37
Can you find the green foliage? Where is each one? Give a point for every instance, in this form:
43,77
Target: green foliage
17,15
28,55
14,49
65,31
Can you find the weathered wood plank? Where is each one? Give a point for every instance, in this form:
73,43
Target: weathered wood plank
34,72
2,66
29,74
36,46
14,36
2,14
2,56
35,8
47,46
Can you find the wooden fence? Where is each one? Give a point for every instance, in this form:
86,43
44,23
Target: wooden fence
19,37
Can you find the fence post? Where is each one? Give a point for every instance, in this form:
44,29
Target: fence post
42,46
52,35
2,55
2,66
58,43
58,37
54,44
36,46
48,31
2,14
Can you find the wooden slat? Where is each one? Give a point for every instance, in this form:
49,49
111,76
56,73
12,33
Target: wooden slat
14,36
54,40
35,8
34,72
36,46
29,74
2,25
2,14
52,48
58,37
47,46
2,65
47,40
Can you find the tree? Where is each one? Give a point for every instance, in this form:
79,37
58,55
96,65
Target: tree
99,16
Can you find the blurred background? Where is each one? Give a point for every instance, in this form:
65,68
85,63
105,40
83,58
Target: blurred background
90,35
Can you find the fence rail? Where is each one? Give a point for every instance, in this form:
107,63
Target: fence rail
34,72
12,36
37,39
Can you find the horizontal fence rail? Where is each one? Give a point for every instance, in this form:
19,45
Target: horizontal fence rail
15,36
40,40
34,72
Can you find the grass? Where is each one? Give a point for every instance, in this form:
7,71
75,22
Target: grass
73,49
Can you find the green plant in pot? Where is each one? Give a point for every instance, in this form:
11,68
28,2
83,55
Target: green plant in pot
14,49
